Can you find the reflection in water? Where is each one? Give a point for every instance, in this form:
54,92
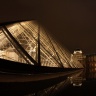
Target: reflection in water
53,90
56,89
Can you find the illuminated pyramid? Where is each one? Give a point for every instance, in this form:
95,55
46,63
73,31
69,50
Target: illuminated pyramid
29,43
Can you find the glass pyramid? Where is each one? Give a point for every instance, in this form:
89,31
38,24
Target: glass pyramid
29,43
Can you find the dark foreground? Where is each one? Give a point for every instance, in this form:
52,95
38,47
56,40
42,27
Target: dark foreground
87,89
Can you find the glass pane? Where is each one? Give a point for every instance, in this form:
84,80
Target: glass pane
47,44
24,38
47,59
7,50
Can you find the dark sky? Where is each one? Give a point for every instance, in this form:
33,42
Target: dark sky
71,22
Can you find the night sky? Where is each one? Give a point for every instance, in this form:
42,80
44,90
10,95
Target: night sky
71,22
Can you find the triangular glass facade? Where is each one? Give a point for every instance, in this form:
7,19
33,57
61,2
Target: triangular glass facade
27,42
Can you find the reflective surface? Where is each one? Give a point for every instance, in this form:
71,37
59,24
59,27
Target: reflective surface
76,85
